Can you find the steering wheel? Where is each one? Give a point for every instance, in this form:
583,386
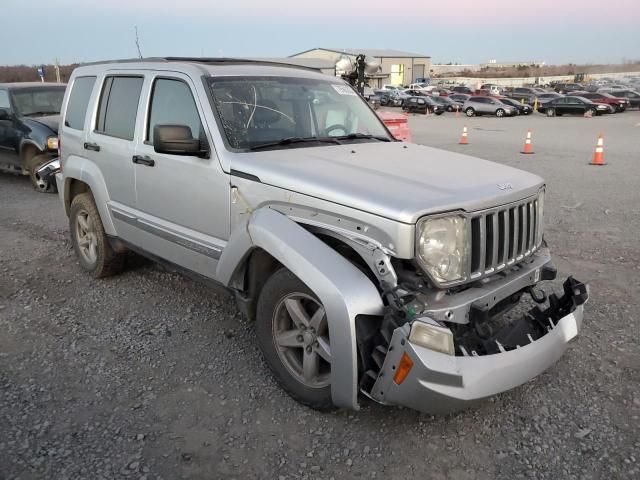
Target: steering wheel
337,126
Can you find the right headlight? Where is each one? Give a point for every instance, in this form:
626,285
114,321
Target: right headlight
442,248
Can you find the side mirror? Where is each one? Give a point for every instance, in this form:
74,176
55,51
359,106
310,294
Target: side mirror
5,114
177,140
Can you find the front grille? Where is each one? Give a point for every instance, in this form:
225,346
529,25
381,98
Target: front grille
503,236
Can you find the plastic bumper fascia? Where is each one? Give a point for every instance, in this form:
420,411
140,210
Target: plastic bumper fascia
440,383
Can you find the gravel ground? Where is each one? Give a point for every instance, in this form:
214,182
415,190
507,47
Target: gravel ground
149,375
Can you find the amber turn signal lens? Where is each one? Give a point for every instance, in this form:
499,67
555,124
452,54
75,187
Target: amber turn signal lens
406,364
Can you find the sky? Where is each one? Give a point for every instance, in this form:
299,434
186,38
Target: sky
464,31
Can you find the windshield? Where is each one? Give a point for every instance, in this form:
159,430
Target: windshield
38,101
258,110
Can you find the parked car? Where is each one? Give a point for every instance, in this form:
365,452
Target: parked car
371,97
441,92
631,95
566,88
522,108
459,98
493,89
389,98
446,102
487,106
526,94
462,89
619,104
547,96
29,117
573,106
422,104
365,262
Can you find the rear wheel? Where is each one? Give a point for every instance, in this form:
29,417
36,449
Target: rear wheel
89,240
500,113
551,112
293,334
470,112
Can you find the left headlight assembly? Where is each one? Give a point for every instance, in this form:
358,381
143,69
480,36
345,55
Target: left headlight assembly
442,248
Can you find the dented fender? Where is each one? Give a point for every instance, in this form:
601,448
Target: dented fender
343,289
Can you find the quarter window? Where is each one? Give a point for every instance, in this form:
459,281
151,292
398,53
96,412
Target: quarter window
172,104
79,102
118,106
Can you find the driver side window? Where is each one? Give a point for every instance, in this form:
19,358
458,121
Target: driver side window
4,100
172,104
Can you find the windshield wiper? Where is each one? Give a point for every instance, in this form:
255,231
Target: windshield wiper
358,136
294,140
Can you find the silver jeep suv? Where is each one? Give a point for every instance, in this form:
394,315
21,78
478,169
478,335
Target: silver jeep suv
369,265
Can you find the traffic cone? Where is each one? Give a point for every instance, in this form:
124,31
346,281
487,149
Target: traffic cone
598,156
457,111
463,138
528,147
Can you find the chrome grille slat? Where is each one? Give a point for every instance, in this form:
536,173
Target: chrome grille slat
503,236
483,244
496,239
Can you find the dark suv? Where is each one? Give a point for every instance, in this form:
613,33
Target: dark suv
29,117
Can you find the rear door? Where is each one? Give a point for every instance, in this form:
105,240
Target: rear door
183,201
110,141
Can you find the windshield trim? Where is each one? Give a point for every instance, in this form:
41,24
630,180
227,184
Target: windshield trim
208,79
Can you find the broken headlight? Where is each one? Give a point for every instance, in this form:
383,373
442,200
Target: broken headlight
442,248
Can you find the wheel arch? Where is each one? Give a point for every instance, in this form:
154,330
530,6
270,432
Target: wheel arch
81,175
271,238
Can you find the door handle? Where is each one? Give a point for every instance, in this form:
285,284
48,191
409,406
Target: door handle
92,146
143,160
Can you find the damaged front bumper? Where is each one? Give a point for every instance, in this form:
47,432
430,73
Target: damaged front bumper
442,383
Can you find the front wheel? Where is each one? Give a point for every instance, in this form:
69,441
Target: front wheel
551,112
293,334
32,165
470,112
499,113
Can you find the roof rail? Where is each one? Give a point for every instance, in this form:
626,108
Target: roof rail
204,61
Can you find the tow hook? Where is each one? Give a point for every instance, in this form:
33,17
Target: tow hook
538,297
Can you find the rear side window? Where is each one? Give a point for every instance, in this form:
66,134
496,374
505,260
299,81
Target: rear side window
172,104
79,102
119,106
4,100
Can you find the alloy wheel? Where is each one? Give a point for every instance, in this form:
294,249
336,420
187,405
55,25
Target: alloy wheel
86,237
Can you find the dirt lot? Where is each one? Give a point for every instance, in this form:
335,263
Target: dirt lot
149,375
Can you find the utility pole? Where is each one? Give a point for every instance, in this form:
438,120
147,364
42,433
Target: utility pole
57,67
138,42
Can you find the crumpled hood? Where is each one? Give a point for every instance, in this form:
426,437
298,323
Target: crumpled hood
395,180
50,121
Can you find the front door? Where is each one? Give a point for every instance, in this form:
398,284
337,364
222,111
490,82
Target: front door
9,134
183,201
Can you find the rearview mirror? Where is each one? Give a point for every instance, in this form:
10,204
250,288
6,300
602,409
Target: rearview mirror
177,140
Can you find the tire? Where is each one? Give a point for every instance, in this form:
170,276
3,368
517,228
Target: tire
89,240
31,165
469,112
450,109
500,113
439,113
594,112
551,112
302,346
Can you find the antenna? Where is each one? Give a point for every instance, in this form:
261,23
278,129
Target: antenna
138,42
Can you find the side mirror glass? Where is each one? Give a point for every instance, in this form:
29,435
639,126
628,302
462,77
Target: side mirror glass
177,140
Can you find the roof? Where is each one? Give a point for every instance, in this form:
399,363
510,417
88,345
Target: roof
205,61
15,85
315,63
369,52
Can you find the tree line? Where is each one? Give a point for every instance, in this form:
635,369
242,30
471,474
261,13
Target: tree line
29,73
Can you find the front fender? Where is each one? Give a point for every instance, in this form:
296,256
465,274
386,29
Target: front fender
78,168
343,289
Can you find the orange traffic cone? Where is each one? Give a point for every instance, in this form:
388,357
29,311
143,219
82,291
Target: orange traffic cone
463,138
528,147
598,156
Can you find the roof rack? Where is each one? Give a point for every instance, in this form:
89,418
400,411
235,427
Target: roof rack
204,61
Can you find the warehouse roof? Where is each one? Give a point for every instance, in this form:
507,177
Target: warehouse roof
369,52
